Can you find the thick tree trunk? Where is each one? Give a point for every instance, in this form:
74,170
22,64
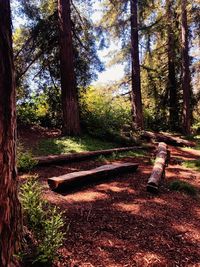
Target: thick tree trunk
185,70
172,85
136,83
10,211
70,106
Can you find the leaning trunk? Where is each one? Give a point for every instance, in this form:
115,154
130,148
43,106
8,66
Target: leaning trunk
10,211
172,85
136,83
70,107
185,70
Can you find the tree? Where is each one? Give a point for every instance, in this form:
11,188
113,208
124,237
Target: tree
171,81
10,219
185,70
70,106
136,83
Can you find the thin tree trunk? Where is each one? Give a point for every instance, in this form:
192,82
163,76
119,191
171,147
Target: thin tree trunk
10,210
136,83
172,85
185,70
70,106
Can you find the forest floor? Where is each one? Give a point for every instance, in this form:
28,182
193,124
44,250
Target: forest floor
116,223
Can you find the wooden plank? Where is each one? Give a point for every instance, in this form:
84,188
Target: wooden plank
158,169
75,178
64,158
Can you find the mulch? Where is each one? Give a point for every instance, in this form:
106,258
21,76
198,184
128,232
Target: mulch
116,223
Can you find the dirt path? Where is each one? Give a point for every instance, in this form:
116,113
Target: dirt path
116,223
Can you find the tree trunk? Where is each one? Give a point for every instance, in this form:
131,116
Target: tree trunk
10,210
185,70
136,83
70,106
171,84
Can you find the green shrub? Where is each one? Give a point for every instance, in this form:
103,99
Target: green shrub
183,186
103,114
25,161
43,221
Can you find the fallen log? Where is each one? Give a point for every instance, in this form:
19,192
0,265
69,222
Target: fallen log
81,177
64,158
169,139
158,169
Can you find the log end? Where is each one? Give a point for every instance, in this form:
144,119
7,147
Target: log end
152,188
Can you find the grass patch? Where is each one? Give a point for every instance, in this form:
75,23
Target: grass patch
121,155
195,138
192,164
182,186
71,145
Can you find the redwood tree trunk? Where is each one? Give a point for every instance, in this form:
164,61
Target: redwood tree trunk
136,83
10,211
70,106
172,84
185,70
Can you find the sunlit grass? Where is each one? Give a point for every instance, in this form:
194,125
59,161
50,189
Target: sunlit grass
121,155
192,164
71,145
195,138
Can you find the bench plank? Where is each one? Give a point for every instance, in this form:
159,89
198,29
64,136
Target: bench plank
74,178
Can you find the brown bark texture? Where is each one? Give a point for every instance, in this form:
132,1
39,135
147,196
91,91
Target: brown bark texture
70,106
10,211
186,79
79,178
71,157
172,84
136,81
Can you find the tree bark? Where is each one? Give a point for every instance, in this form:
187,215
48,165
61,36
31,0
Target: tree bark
185,70
171,84
71,157
158,169
70,106
136,83
10,210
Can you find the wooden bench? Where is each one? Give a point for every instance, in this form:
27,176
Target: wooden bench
93,175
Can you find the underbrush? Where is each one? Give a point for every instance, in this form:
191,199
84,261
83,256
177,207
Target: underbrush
25,160
43,224
193,164
182,186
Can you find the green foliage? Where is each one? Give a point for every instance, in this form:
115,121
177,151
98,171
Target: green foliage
104,114
154,121
183,186
121,155
193,164
71,145
25,160
43,221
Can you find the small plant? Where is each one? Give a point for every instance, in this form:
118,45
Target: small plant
102,159
25,160
193,164
183,186
44,222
